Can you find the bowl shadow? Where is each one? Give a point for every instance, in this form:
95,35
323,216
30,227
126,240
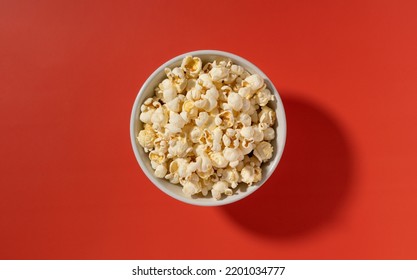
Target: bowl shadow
310,184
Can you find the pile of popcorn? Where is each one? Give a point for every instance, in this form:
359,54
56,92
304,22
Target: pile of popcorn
208,127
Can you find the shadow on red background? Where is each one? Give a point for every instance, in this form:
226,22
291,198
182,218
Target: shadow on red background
311,182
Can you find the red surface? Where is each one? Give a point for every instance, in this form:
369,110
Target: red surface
70,187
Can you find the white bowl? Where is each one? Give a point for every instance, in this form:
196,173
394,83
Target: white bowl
175,191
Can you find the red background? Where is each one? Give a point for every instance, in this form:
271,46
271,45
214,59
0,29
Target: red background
70,187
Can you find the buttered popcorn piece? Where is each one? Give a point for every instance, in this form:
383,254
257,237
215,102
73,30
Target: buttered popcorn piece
191,66
219,188
255,82
160,171
146,139
208,127
263,151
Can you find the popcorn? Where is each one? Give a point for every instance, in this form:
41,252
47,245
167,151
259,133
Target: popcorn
269,134
205,81
146,139
248,174
218,160
233,154
258,135
159,117
237,69
219,188
245,119
247,132
202,119
177,147
146,115
191,168
196,134
245,92
205,175
218,73
176,120
246,146
231,176
263,97
177,78
217,139
211,96
195,93
161,171
179,167
207,128
267,116
190,188
167,89
205,163
161,145
202,104
255,82
235,101
172,177
191,66
263,151
157,157
174,105
224,120
226,140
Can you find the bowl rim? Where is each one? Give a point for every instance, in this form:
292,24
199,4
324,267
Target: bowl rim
213,202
